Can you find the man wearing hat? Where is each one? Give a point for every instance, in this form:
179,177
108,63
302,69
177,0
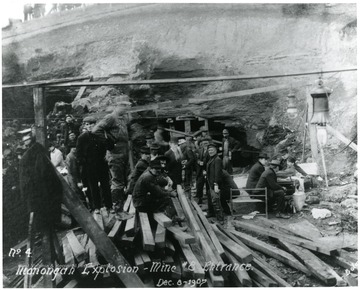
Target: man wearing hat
202,159
229,145
187,163
255,172
140,167
174,166
154,150
112,131
94,169
148,195
284,155
214,179
275,193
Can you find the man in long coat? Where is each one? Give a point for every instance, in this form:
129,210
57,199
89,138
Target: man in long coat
175,158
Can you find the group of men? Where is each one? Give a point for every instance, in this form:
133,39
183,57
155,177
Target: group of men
264,174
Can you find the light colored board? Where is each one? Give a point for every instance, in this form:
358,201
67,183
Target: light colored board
91,249
318,268
115,229
271,251
77,249
148,239
162,220
262,278
160,236
179,235
209,230
241,275
325,249
198,271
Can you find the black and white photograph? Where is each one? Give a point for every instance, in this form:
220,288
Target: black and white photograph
179,144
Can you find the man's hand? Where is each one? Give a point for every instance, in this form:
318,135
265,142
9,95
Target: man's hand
173,193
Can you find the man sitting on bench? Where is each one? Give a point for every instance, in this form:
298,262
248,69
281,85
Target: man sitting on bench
275,193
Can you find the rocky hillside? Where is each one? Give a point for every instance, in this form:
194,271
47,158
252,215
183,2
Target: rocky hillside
153,41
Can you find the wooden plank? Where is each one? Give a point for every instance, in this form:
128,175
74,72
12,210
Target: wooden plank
103,244
46,82
179,235
131,223
177,273
209,230
146,258
341,137
139,262
302,229
129,241
115,229
243,255
241,275
261,278
58,250
148,239
77,249
72,284
325,249
162,220
169,248
30,246
40,115
98,218
91,249
340,241
351,280
178,208
68,253
160,235
187,211
344,263
216,280
198,271
259,262
318,268
127,203
271,251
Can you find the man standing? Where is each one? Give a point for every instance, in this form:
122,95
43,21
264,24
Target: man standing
112,131
140,167
229,145
275,193
175,158
148,195
255,172
187,163
91,157
203,157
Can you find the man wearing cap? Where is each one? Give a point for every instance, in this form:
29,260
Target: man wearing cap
148,195
229,145
275,193
202,159
255,172
94,168
149,138
201,134
214,179
112,131
175,158
140,167
154,150
187,162
284,155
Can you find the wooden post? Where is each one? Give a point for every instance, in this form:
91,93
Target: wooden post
131,155
324,166
40,115
187,126
47,257
305,129
206,124
312,127
30,246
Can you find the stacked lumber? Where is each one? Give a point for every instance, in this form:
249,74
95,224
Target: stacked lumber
303,248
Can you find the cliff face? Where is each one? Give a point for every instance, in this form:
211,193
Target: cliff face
140,41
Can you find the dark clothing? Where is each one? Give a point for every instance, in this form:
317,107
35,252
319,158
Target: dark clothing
226,185
275,192
283,164
214,171
174,168
203,156
189,158
254,175
139,169
148,195
229,145
91,157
